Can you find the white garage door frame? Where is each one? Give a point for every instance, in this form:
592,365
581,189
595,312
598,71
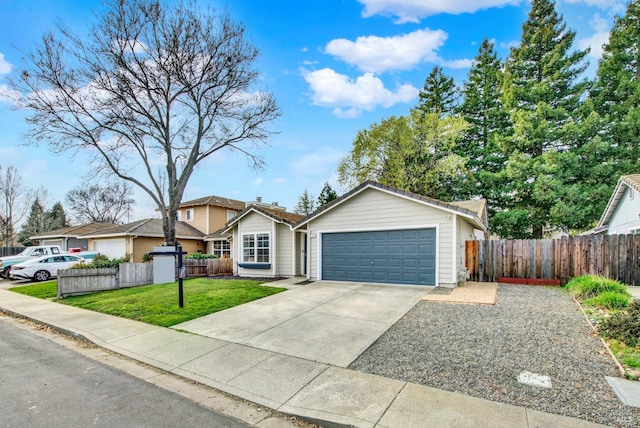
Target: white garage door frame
113,248
378,229
59,242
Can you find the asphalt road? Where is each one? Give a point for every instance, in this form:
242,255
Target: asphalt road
45,385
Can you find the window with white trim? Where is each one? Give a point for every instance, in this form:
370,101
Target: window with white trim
189,214
255,248
222,248
230,214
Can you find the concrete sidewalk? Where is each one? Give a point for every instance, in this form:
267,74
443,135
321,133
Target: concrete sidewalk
318,392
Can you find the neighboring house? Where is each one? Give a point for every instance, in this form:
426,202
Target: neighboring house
70,237
622,214
264,242
374,233
138,238
210,213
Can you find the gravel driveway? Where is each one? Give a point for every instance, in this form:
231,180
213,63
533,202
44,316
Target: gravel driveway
480,350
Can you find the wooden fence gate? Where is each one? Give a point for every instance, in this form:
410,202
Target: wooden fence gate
613,256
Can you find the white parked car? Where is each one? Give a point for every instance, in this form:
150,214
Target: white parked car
44,268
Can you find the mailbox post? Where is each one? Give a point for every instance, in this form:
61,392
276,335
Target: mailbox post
182,273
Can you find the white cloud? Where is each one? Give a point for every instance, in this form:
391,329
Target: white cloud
8,95
380,54
415,10
598,39
258,181
5,66
457,63
331,89
279,180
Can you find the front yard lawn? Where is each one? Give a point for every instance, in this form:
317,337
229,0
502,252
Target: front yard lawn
158,304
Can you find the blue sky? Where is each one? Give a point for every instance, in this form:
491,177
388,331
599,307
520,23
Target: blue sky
334,66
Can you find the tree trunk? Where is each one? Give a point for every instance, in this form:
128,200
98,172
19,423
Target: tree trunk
169,226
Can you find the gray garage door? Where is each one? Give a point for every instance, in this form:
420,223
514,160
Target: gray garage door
388,256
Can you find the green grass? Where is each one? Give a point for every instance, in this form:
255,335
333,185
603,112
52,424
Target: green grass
158,304
609,300
589,286
41,290
626,355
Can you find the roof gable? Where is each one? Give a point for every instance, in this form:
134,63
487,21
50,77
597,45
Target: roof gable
279,216
216,201
631,182
463,208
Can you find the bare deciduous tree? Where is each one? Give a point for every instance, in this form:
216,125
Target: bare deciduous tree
103,204
152,83
14,203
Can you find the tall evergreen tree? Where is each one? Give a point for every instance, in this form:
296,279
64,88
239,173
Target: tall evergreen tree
483,110
616,95
439,94
326,195
306,204
56,218
542,89
34,225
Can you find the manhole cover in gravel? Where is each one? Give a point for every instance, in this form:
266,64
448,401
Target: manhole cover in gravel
534,379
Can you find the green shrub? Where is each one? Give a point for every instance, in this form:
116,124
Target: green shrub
101,261
201,256
146,258
589,286
624,325
609,300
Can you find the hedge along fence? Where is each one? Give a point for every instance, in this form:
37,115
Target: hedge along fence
84,281
613,256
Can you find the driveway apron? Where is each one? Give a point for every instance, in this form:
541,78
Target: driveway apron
325,321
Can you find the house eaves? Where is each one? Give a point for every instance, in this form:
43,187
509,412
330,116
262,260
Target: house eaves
444,206
626,181
74,231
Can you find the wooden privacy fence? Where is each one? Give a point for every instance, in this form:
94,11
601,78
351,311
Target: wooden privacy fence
83,281
613,256
208,267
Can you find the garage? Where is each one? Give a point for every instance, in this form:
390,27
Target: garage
58,242
112,248
386,256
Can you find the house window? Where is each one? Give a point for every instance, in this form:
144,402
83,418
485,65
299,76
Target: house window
189,214
222,248
255,248
230,214
179,215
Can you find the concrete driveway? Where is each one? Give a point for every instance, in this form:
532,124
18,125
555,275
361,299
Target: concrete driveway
324,321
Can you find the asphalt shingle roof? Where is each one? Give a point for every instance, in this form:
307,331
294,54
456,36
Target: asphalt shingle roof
151,227
217,201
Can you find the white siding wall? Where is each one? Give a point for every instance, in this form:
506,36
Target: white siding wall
253,223
284,253
377,210
626,215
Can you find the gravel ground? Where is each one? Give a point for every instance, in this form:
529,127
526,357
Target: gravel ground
480,350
